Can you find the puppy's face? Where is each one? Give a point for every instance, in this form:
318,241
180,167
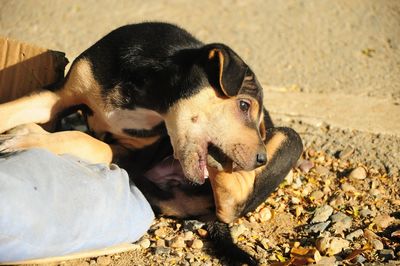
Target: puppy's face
219,126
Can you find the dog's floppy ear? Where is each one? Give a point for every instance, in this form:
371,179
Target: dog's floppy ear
225,69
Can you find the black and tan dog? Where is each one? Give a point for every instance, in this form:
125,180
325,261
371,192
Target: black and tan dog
185,119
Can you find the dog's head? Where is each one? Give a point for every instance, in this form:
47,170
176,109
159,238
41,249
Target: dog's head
220,125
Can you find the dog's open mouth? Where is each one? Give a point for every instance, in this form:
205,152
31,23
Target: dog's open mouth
169,171
216,159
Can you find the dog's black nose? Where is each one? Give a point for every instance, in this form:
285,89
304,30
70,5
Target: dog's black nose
261,158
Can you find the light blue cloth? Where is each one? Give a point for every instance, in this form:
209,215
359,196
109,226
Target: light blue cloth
56,205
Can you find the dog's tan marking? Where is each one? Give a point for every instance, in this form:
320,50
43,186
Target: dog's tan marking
80,83
275,143
134,142
211,55
139,118
231,190
183,205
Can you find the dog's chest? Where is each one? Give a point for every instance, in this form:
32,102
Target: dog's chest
117,121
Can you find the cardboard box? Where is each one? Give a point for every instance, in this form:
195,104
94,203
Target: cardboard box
25,68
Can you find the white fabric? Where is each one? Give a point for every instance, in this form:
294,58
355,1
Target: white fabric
56,205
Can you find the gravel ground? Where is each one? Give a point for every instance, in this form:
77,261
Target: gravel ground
381,151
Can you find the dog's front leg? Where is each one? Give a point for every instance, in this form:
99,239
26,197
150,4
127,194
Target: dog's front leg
39,107
72,142
238,193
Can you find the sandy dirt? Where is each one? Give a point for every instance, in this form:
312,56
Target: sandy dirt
322,46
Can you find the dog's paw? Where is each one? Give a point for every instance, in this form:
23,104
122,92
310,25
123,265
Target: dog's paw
231,191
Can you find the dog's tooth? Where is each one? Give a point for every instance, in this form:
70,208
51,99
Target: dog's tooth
205,172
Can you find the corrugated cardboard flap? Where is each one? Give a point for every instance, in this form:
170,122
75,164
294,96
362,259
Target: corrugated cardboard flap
25,68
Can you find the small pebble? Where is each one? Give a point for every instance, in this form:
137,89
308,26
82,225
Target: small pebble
190,257
346,152
297,183
299,210
318,228
364,213
322,214
306,190
369,235
341,222
177,242
354,235
325,261
265,214
311,152
331,245
294,200
346,187
162,251
208,263
265,243
202,232
360,259
317,195
104,260
383,220
144,243
339,216
161,232
160,243
289,178
358,173
305,166
377,244
192,225
337,201
188,235
237,230
184,263
322,170
374,192
197,243
386,254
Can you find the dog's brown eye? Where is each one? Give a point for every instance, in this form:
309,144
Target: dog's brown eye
244,106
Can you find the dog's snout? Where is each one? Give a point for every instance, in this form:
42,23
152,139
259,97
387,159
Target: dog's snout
261,158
